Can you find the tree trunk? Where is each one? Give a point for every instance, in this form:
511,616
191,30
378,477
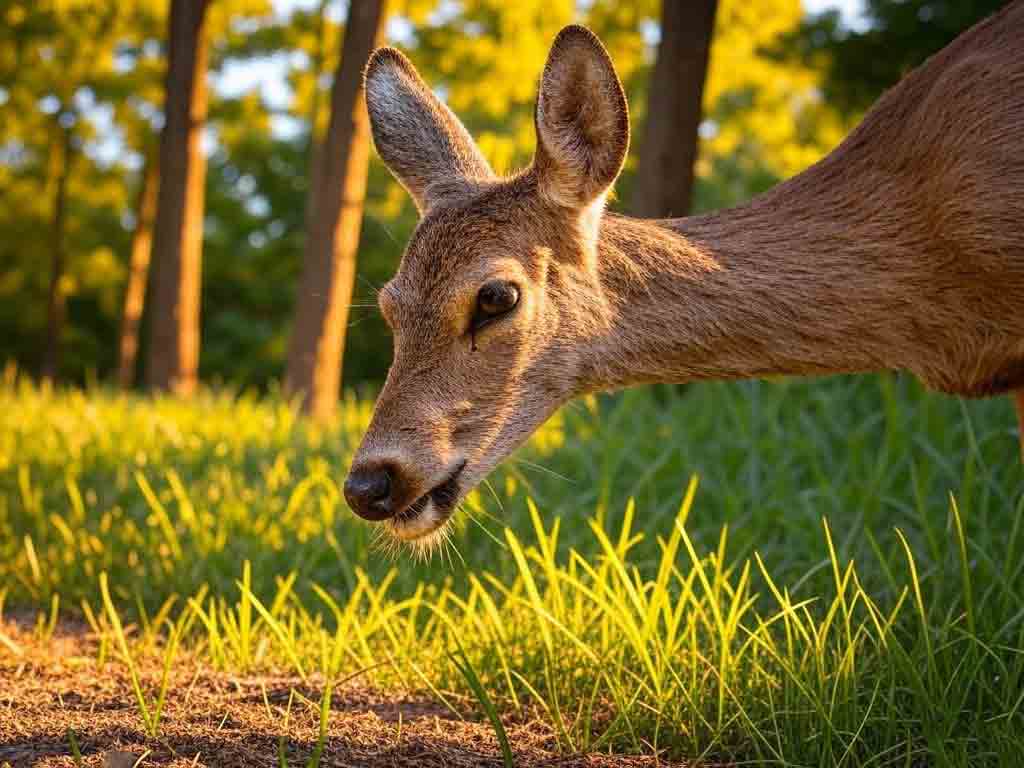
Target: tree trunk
335,207
178,229
314,145
55,308
135,290
319,56
669,150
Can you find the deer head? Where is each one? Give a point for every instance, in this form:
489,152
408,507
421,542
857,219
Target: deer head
498,288
516,294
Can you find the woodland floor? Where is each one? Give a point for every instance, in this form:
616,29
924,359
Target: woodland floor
217,719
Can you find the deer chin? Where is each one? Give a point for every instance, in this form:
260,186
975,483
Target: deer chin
425,517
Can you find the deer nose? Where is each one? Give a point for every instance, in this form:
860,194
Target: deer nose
368,492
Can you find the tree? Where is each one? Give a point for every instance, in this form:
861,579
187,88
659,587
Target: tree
764,115
335,209
138,273
178,229
669,149
54,58
62,158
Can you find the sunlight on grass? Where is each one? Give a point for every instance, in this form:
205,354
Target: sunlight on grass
693,660
217,528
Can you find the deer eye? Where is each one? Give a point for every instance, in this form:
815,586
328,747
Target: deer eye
495,299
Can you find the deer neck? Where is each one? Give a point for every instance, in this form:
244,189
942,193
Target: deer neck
789,284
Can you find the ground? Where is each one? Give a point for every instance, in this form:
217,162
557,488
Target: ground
217,719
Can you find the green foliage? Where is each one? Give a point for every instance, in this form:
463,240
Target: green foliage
765,114
58,63
94,71
718,619
894,37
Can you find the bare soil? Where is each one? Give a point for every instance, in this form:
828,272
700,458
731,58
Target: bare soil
216,719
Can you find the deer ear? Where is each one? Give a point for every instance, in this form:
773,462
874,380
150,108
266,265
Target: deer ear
419,138
582,121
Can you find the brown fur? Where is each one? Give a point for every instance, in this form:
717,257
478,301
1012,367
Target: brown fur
901,250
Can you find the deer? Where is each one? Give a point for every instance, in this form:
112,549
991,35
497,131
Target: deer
901,250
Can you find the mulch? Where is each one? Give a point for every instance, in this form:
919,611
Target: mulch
212,718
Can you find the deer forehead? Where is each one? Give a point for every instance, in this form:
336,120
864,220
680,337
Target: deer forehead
454,251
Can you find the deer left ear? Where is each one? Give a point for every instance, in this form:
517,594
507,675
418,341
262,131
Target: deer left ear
582,121
419,138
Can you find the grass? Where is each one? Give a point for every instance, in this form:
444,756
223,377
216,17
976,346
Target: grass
842,586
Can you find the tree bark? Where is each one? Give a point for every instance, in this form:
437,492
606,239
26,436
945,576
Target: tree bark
135,290
314,144
178,229
665,174
335,210
317,67
56,302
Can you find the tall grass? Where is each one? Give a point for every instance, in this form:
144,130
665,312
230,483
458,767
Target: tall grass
843,586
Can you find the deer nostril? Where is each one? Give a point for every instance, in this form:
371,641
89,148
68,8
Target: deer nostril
368,493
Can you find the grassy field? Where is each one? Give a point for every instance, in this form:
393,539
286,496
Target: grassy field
795,573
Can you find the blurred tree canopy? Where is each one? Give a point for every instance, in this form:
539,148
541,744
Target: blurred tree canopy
782,90
892,38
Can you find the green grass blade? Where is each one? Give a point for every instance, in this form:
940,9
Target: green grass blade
465,668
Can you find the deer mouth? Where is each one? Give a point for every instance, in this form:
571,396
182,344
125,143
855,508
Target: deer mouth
431,510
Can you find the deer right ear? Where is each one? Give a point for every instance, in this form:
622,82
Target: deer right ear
420,140
582,121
